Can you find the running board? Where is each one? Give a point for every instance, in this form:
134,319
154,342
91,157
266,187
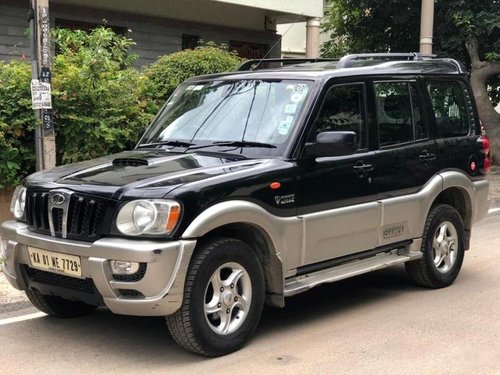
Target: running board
299,284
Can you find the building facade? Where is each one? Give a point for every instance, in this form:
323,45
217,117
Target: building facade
161,27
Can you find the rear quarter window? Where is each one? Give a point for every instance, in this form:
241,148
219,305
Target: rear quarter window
449,108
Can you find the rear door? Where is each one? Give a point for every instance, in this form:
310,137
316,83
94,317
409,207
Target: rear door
407,156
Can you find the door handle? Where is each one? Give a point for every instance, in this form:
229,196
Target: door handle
427,156
361,169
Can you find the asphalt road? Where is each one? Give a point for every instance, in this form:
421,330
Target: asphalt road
373,324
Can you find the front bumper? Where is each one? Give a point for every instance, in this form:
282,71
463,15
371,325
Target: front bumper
158,292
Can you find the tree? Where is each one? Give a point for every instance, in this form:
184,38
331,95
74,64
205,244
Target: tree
468,30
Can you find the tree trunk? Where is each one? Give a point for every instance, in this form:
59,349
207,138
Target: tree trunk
481,72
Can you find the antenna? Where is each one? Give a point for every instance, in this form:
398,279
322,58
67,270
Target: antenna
278,41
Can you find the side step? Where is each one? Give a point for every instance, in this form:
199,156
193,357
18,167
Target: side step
299,284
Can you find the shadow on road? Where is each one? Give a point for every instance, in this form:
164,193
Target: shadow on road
123,337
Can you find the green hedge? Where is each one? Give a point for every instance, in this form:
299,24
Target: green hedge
169,71
17,123
101,102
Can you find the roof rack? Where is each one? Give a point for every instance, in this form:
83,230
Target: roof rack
254,64
349,60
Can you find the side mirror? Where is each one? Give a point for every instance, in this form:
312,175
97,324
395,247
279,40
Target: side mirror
332,144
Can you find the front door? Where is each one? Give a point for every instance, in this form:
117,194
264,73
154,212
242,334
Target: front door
336,195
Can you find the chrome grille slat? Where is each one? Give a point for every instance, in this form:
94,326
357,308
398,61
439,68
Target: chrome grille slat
85,217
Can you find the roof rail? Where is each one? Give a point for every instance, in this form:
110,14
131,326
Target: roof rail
255,63
348,60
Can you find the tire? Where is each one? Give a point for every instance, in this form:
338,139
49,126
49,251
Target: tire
442,247
224,276
57,306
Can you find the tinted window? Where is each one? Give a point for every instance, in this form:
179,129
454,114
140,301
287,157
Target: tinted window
398,113
449,108
342,110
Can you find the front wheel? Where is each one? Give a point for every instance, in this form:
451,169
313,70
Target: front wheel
442,247
223,299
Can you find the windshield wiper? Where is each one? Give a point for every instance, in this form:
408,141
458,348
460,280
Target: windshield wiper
166,143
233,144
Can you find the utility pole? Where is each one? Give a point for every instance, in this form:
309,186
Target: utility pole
426,26
45,144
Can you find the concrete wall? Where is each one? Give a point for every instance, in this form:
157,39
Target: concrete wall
154,36
5,196
13,27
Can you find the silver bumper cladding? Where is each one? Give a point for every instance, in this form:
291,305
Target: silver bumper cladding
158,292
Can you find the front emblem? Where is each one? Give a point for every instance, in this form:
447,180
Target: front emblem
57,199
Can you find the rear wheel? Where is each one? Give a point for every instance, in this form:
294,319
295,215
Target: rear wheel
443,249
223,299
57,306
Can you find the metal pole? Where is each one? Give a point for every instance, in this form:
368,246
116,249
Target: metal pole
40,67
34,75
426,26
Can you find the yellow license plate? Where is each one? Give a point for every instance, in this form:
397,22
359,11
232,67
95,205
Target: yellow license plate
55,262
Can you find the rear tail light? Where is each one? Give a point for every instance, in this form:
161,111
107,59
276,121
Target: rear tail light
486,151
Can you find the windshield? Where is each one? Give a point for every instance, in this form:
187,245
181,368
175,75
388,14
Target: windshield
257,114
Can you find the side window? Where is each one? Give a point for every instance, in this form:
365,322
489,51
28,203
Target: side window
448,104
398,113
342,110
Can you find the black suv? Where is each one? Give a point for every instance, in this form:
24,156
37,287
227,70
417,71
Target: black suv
256,185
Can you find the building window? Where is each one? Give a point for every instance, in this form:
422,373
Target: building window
190,41
248,50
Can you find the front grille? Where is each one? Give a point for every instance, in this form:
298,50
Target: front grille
88,217
80,285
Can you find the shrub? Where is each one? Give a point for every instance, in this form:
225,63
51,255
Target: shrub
101,103
17,123
166,73
96,94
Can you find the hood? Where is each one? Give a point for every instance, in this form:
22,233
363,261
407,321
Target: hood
155,173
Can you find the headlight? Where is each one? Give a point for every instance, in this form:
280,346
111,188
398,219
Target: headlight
154,216
18,203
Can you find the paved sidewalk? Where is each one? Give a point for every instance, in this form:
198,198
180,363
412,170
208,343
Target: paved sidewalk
10,296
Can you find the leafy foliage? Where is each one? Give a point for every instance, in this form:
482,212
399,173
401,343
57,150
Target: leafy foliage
169,71
17,123
97,94
101,103
357,26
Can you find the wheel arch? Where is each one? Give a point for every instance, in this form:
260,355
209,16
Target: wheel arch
259,241
458,192
273,238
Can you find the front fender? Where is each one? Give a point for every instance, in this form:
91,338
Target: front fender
285,233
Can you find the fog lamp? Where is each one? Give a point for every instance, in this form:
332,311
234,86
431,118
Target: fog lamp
123,267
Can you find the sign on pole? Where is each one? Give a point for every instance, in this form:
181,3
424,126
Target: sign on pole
41,96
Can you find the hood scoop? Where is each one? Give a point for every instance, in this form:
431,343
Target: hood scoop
129,162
